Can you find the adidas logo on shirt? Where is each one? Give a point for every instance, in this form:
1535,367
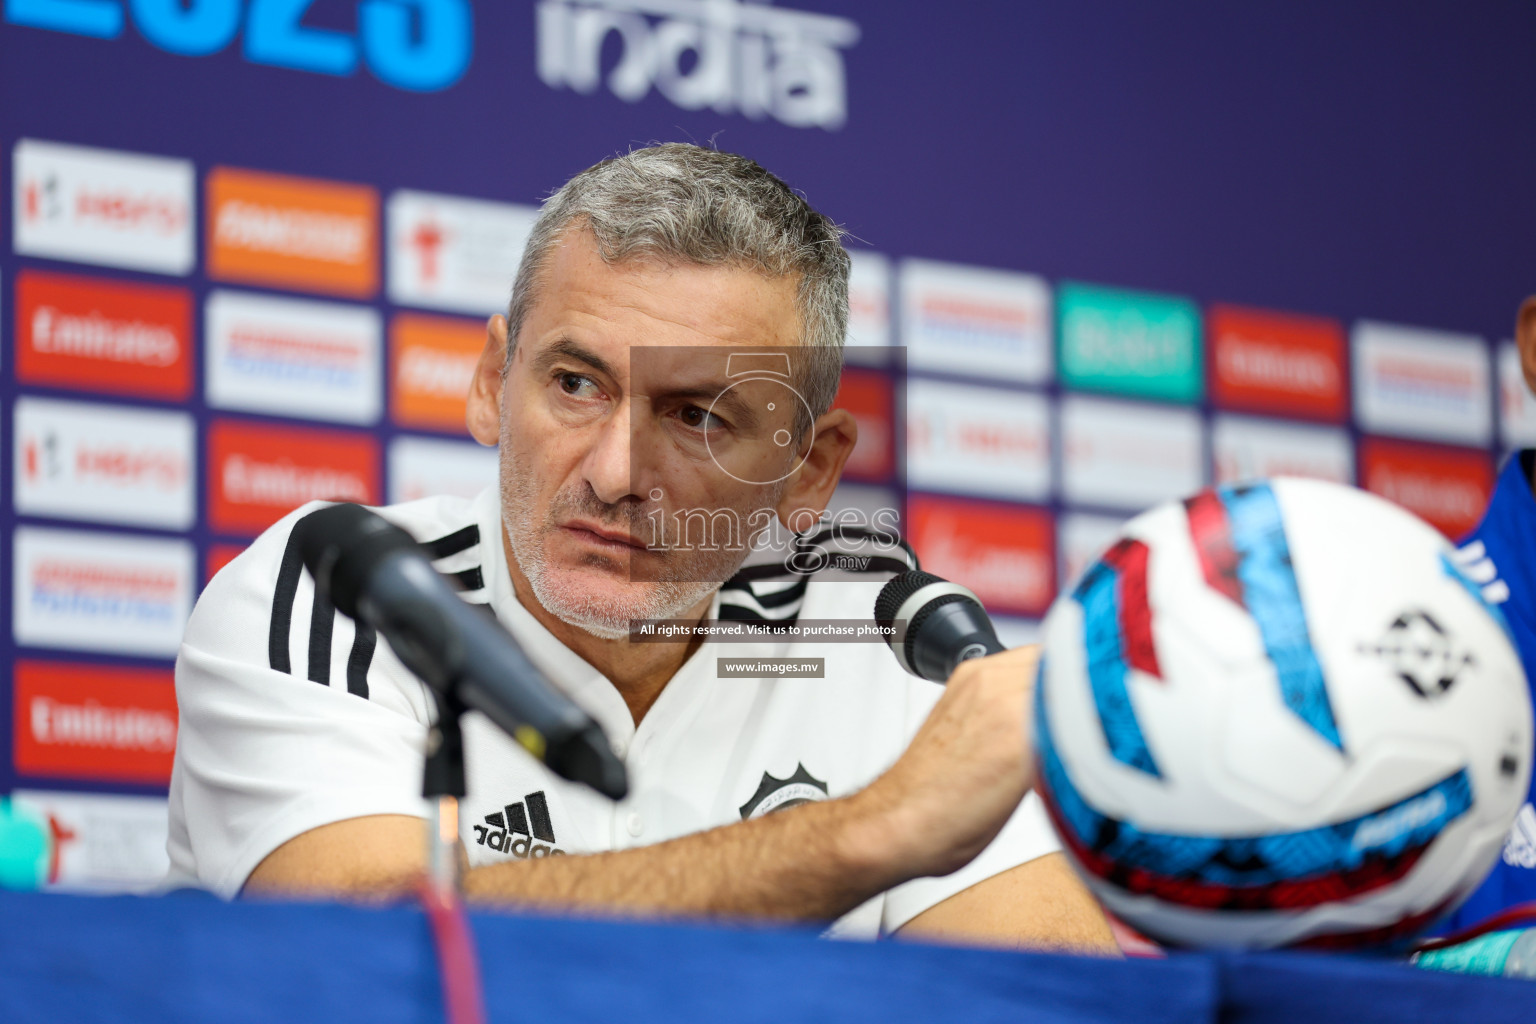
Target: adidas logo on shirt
514,828
1520,847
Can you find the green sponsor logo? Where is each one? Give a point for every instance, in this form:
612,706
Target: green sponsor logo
1130,343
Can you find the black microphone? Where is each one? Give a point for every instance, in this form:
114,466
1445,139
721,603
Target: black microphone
374,572
939,624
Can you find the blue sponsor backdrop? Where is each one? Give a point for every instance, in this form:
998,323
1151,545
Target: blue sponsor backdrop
1372,160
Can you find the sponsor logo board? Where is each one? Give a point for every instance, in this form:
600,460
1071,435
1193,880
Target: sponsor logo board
1447,487
104,463
103,206
287,232
1006,554
970,321
94,722
258,473
423,466
294,357
1277,363
100,335
452,253
1083,538
1517,407
1130,343
869,309
99,842
1243,448
101,592
1412,382
432,361
868,396
978,440
1123,455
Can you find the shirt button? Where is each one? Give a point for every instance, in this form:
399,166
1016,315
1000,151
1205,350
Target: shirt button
635,824
620,748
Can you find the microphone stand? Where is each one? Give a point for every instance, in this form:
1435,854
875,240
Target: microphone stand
442,782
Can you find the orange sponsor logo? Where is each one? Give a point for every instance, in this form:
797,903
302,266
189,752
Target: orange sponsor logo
259,473
1447,487
93,722
432,361
85,332
272,229
1006,554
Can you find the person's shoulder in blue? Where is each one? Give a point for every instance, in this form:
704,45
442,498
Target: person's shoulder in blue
1500,555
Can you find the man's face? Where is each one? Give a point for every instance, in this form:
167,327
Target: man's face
618,416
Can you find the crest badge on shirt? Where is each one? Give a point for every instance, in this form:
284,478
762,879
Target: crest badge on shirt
775,794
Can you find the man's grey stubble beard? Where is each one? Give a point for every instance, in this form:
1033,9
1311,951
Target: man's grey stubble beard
607,617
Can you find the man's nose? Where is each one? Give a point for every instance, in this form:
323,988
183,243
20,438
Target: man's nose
608,467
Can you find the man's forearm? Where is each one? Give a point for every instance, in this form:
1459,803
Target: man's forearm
813,863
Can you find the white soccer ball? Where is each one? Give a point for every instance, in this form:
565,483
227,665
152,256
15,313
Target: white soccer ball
1278,714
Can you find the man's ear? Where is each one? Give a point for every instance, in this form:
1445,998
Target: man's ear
482,409
810,487
1525,340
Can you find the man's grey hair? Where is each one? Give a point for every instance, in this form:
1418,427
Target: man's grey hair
679,203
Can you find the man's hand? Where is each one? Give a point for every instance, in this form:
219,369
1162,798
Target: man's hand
964,772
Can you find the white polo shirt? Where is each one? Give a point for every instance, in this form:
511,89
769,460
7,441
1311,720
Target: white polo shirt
292,718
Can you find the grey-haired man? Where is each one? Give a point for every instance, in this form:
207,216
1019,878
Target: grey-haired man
898,805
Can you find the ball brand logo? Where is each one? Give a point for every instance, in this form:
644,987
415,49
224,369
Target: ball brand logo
87,721
1421,653
751,58
319,236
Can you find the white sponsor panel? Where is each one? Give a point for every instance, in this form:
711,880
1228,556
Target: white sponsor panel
423,466
452,253
294,357
1414,382
101,592
1517,407
976,440
1083,537
1246,448
971,321
100,842
104,463
103,206
869,309
1125,455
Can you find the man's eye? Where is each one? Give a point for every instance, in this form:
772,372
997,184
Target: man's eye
577,384
700,419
